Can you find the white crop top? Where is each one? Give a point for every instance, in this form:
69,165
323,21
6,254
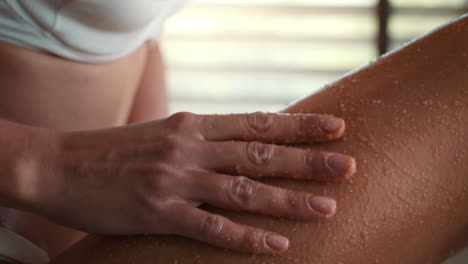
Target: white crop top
84,30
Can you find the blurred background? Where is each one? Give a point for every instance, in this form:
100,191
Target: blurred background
235,56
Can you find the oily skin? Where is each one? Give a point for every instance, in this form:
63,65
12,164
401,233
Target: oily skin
406,119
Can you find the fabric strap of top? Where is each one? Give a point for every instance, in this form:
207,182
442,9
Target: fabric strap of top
16,249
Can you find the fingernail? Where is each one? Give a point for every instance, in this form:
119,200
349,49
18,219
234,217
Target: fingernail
331,124
322,205
276,242
341,165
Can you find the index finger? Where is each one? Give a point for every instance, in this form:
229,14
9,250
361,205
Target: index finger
272,127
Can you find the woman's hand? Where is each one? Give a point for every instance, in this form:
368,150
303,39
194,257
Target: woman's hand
149,178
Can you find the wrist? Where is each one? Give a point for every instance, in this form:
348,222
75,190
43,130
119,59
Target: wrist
22,161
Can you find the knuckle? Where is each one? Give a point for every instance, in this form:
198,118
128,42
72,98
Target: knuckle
242,191
182,122
309,126
259,122
258,153
292,198
212,226
171,148
253,240
314,160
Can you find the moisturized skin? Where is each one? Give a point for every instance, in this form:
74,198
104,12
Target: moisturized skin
407,126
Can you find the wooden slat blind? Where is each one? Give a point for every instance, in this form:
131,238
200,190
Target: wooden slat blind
240,56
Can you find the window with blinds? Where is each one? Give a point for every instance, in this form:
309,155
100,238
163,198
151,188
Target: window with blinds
236,56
